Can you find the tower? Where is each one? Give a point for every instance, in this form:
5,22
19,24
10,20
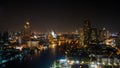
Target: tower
87,31
81,40
93,36
27,31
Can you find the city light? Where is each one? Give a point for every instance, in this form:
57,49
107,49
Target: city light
87,48
77,62
20,48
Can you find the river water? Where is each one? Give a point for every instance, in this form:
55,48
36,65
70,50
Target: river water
41,59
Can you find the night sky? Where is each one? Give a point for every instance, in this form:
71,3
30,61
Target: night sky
60,15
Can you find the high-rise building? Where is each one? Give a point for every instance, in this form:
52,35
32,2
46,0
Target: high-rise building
118,35
1,37
4,36
93,36
81,40
103,34
87,31
26,31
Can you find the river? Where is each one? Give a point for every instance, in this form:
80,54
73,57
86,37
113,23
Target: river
40,59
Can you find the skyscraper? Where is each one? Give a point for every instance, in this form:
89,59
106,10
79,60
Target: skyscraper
87,31
27,31
4,37
93,36
103,34
81,40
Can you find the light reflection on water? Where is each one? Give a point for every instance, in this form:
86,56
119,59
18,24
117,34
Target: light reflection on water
40,59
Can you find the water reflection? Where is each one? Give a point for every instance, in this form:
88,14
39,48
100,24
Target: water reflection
38,58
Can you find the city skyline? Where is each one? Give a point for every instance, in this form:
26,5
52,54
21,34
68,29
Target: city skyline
59,15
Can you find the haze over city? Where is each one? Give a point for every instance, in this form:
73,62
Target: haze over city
59,34
59,15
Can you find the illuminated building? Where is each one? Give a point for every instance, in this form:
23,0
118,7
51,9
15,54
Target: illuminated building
117,40
53,34
27,32
110,42
32,43
81,37
61,39
93,36
87,32
52,37
103,34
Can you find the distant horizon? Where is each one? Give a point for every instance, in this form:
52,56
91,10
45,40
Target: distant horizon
50,29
